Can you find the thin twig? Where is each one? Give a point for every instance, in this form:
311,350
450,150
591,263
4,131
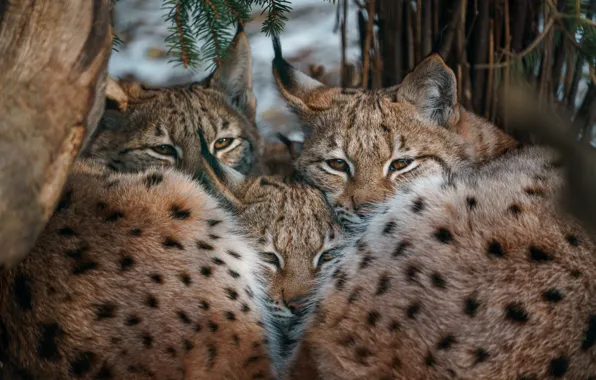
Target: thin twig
522,54
183,51
367,42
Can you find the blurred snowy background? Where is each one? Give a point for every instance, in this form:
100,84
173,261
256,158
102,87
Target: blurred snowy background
308,39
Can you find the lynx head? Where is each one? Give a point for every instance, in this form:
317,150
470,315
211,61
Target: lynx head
158,126
362,146
292,226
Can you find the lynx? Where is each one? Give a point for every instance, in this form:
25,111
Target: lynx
361,146
147,126
467,267
144,275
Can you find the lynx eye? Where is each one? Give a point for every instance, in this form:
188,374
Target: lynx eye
270,258
400,164
223,143
326,257
165,150
339,165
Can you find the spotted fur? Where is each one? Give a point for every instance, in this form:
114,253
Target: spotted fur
138,276
474,275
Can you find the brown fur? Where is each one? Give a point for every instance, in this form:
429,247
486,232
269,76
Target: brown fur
135,276
222,106
418,120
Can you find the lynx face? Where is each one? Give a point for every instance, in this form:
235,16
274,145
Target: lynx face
363,146
158,126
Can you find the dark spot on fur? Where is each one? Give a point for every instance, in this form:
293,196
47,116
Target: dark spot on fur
156,278
177,212
234,274
213,222
104,373
218,261
535,191
590,334
413,310
552,295
389,228
471,305
495,249
249,292
480,355
171,243
171,351
373,317
245,308
236,339
438,280
418,206
48,344
183,317
66,232
65,201
264,182
383,285
252,359
401,248
340,279
82,363
204,305
114,216
152,302
147,340
559,366
516,312
77,253
472,202
230,316
21,288
206,271
366,260
362,354
135,232
412,272
234,254
515,209
573,240
185,278
539,255
106,310
231,293
83,267
444,235
126,263
153,179
133,320
446,342
188,345
355,295
212,326
429,360
197,327
214,237
394,326
204,246
211,355
576,273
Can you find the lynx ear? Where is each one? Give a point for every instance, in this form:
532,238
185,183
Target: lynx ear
432,88
120,93
234,75
303,93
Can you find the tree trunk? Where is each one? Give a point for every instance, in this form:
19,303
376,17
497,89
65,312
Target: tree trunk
52,74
